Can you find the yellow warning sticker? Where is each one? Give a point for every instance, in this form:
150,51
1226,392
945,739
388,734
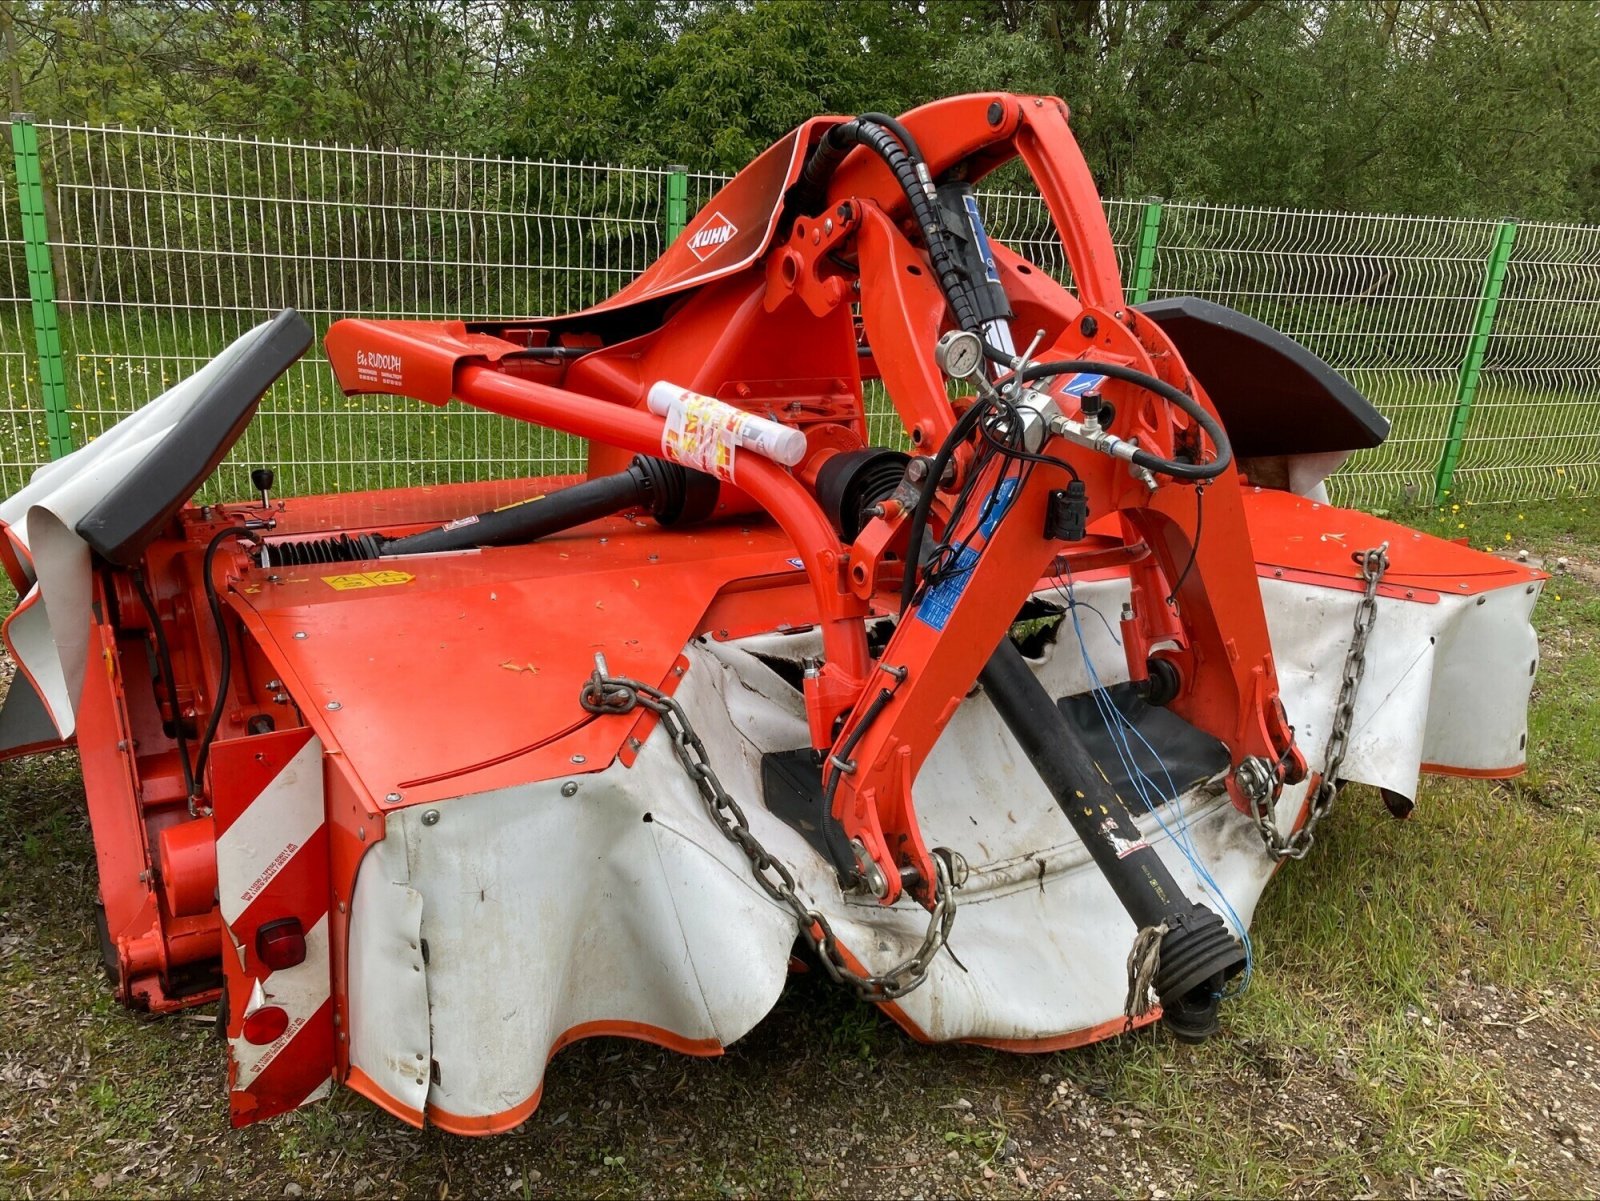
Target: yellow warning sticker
367,579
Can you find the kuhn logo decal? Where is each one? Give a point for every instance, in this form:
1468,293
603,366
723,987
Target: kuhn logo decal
712,236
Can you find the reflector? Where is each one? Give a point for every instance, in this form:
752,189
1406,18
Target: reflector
281,943
266,1025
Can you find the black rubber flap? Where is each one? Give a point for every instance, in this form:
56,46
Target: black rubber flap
127,519
1274,396
1190,755
791,782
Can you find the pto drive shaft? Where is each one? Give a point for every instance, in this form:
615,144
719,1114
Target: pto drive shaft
1197,953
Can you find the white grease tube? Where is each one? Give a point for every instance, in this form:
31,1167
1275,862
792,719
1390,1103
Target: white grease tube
775,441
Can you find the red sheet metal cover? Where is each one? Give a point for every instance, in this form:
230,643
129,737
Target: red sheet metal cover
451,674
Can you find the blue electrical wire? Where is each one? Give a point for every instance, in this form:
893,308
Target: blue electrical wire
1118,726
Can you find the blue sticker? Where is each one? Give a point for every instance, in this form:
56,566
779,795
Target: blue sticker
979,236
797,564
1082,384
939,601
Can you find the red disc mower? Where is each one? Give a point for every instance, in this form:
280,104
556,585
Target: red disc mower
1004,727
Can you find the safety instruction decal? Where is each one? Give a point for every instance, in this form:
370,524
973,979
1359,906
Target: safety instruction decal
1081,384
367,579
701,433
939,601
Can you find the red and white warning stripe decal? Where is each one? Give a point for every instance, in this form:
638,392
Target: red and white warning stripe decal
272,871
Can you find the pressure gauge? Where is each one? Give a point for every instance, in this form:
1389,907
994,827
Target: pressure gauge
959,354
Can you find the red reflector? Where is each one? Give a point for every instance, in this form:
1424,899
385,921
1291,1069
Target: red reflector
266,1024
282,943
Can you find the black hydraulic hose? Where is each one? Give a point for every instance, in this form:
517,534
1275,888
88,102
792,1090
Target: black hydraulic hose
899,130
169,679
530,520
912,176
225,674
930,488
1174,396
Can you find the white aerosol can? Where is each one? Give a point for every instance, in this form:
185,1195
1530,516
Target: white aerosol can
771,439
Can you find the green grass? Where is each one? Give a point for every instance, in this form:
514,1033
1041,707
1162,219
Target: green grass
1354,1065
1536,443
1347,1069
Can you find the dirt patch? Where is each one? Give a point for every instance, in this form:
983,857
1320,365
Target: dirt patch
1546,1067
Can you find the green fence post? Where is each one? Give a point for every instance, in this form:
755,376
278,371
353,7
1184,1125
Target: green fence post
1144,259
41,284
1472,366
677,202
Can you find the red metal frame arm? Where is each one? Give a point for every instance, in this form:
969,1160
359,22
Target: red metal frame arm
773,487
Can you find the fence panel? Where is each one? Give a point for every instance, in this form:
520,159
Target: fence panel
169,245
173,244
1387,301
1534,430
24,444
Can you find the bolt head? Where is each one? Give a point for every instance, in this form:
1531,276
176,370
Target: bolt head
570,788
393,798
334,706
430,817
579,759
300,634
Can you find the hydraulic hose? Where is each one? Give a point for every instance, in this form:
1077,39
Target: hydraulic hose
924,506
899,130
1174,396
912,175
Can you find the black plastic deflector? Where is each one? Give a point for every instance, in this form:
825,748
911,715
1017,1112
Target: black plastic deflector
128,518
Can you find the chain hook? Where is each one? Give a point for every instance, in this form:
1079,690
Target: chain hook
602,693
1374,563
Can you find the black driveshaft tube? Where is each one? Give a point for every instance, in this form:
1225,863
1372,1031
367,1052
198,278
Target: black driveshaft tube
667,491
1198,954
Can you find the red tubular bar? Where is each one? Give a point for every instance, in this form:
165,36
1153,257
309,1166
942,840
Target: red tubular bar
771,486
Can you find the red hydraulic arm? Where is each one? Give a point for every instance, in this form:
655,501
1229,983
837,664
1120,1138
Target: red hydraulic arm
765,321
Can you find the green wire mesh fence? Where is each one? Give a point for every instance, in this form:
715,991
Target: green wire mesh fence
1480,340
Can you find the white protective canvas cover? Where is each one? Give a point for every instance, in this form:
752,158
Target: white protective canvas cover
620,908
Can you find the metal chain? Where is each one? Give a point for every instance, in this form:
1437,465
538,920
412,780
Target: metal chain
605,694
1374,562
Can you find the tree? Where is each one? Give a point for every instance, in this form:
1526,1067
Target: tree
1483,107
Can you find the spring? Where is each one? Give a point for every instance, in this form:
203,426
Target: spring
340,548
